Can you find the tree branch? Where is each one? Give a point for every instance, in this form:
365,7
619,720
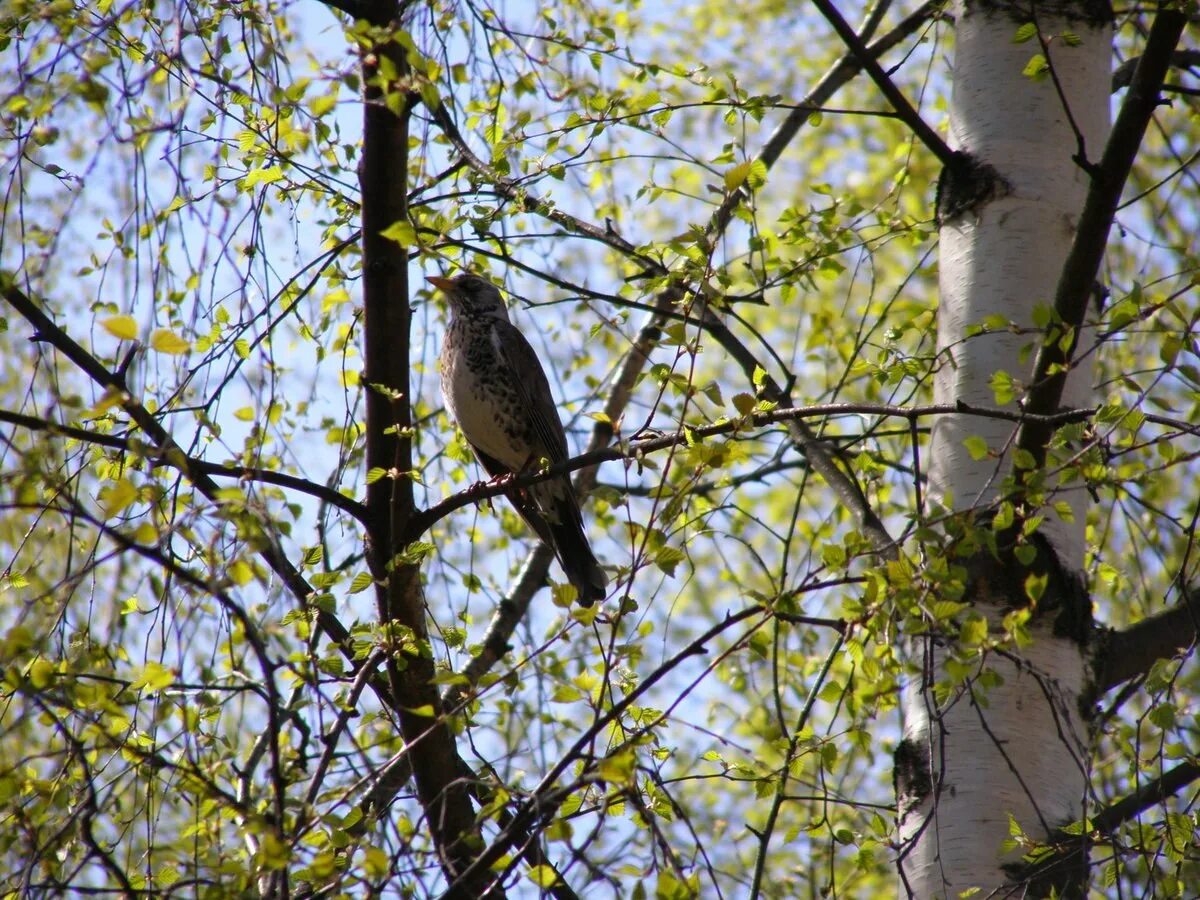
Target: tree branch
192,464
1106,821
424,519
1123,74
1131,652
905,110
1091,237
355,9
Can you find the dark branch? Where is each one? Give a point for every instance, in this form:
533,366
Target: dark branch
1109,819
894,95
1131,652
1087,250
424,519
1180,59
387,108
352,8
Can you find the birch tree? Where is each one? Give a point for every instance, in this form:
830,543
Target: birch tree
997,751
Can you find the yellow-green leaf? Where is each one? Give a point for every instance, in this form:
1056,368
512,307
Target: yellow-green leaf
744,403
123,327
117,496
543,876
164,340
155,677
618,768
322,104
269,175
735,175
41,673
376,863
976,446
241,572
401,232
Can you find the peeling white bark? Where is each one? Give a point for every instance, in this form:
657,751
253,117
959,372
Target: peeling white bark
1017,749
1023,753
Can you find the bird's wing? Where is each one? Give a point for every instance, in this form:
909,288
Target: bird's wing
534,389
520,498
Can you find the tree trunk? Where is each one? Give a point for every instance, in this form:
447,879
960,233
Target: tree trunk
981,753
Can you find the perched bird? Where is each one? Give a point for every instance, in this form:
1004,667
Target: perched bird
496,390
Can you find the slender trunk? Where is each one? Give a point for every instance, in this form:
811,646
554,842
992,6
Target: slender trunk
383,175
983,751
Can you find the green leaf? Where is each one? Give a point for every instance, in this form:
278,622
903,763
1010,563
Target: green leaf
976,446
41,673
1004,389
117,496
412,554
1023,460
744,403
401,232
241,573
1025,33
1037,67
618,768
1178,837
321,104
543,876
269,175
1035,586
668,559
154,678
566,693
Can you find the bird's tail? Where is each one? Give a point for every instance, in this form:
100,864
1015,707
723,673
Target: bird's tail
565,537
578,562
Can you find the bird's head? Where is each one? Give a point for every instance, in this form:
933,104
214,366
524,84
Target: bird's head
470,295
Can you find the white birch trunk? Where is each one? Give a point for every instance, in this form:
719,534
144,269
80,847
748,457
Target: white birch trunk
964,768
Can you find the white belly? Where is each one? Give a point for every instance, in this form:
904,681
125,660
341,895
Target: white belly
479,409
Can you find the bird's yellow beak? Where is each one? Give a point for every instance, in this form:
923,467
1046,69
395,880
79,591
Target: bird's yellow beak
437,281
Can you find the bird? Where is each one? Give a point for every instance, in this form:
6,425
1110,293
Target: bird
495,389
